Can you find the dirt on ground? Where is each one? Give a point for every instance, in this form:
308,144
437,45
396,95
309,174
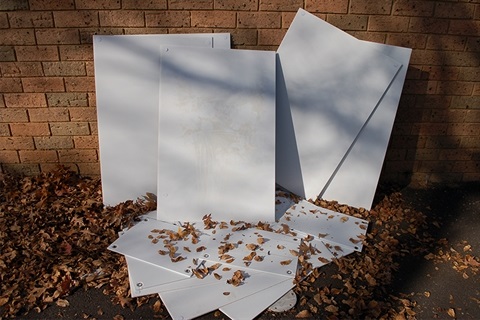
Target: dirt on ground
420,258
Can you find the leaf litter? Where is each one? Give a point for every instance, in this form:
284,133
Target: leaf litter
55,231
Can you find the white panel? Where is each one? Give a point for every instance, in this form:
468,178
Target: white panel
251,306
127,78
326,225
332,85
274,254
356,180
216,135
145,278
193,302
136,243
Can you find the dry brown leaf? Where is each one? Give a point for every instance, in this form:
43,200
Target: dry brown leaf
303,314
62,303
451,312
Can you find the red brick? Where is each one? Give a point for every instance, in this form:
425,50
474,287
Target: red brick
86,34
466,166
444,178
439,73
455,87
472,116
463,129
168,19
401,166
427,25
83,114
442,142
469,142
9,156
3,20
423,154
123,18
92,99
49,167
76,52
271,36
468,73
89,169
67,99
384,23
30,19
420,86
432,101
378,37
446,116
48,115
454,154
57,36
414,41
64,68
241,37
7,53
25,100
187,5
191,30
53,143
78,18
464,27
77,155
472,102
90,68
259,20
412,8
16,143
454,10
38,156
222,19
4,130
8,115
435,166
461,59
471,177
281,5
97,4
37,53
348,22
371,6
429,129
80,84
43,84
287,18
29,129
93,128
21,69
21,169
17,37
236,5
446,42
10,85
51,5
326,6
149,31
69,128
14,5
86,142
473,43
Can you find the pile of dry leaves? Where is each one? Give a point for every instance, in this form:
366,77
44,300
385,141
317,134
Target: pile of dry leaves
54,232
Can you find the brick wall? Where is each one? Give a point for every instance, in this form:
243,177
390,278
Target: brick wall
47,93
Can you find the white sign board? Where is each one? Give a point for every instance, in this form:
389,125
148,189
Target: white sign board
216,135
332,84
127,71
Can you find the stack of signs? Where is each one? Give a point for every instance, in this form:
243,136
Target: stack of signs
210,131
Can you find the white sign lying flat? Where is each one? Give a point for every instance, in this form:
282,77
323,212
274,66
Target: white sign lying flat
126,79
216,135
332,85
356,180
